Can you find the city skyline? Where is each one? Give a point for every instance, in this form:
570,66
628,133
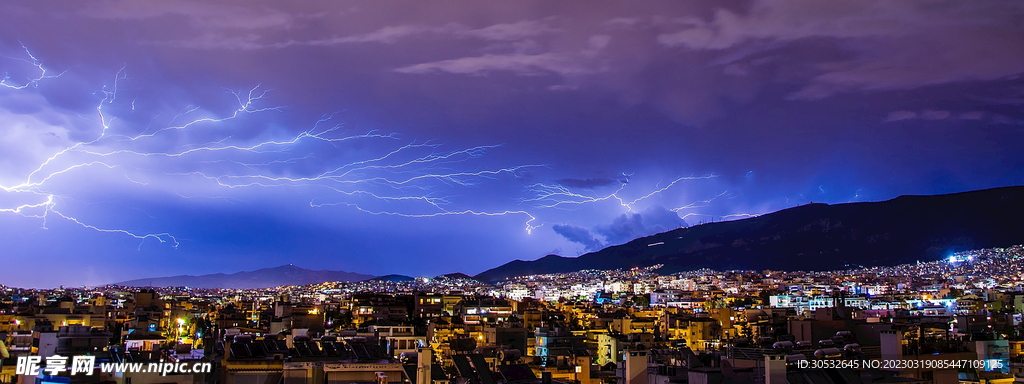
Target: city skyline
191,138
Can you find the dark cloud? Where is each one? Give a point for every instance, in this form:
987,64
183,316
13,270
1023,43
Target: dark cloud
623,228
629,226
578,235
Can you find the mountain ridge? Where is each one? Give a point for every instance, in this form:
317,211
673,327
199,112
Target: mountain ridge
288,274
814,236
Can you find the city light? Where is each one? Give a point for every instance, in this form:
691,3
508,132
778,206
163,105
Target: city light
676,304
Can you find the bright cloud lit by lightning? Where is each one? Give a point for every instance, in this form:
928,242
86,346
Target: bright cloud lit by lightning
206,153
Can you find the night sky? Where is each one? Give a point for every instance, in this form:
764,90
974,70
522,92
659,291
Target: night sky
146,139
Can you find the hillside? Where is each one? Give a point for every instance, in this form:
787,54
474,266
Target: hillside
815,237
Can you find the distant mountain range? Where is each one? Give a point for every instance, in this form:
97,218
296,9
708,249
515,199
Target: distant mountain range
269,277
814,237
260,278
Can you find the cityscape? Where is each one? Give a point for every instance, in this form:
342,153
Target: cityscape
957,319
528,192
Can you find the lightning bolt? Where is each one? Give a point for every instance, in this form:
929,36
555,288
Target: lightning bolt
700,203
557,195
561,196
409,173
48,206
856,196
370,172
35,63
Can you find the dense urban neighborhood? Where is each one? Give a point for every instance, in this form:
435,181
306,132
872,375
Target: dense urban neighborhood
956,320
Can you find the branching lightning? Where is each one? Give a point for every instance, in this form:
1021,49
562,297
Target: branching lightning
407,173
557,195
197,153
705,203
31,60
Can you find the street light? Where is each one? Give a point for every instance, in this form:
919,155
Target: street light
181,324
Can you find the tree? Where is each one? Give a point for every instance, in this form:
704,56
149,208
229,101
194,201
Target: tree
641,301
954,293
340,318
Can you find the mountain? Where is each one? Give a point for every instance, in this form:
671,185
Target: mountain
815,237
260,278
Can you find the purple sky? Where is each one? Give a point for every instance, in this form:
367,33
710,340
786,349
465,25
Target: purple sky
424,138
